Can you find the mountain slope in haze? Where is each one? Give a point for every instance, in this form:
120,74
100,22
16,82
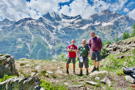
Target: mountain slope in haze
49,35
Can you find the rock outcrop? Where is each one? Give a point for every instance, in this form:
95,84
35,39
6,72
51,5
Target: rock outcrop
21,83
7,65
121,46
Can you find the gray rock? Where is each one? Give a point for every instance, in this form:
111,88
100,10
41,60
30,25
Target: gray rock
75,86
98,73
97,78
50,72
129,79
7,65
107,81
120,57
21,83
121,46
92,83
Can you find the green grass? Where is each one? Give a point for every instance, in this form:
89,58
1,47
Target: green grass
49,86
5,78
114,64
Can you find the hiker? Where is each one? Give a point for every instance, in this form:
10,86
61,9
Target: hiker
83,52
72,50
95,44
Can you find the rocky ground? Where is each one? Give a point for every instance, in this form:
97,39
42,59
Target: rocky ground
54,72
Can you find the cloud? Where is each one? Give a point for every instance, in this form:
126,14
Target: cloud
18,9
132,14
126,10
79,7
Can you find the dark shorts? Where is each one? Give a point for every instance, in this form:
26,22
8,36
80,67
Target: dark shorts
71,59
85,62
96,55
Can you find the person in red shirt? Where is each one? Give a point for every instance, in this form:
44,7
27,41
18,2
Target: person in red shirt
72,50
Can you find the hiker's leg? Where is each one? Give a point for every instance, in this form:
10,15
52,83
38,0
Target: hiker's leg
98,60
74,61
67,65
81,72
94,68
97,65
87,71
73,68
93,57
94,63
81,68
86,63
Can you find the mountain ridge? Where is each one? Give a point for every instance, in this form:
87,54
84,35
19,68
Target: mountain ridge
49,35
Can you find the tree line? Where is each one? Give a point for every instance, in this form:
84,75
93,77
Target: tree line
127,35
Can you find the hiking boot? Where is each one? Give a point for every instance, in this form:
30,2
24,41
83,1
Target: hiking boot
74,72
94,69
97,69
87,72
81,73
67,71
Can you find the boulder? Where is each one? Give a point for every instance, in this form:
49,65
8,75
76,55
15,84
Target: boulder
21,83
107,81
92,83
121,46
7,65
98,73
129,79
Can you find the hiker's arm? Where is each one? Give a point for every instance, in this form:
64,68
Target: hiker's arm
75,50
69,50
100,44
89,44
78,54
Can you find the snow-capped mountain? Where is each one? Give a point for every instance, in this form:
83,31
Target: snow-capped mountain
49,35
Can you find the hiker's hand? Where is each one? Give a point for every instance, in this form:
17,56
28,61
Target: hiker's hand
69,50
74,50
78,58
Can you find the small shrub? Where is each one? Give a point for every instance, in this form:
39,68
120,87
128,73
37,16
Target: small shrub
104,53
5,78
133,32
22,64
61,57
49,86
126,35
120,72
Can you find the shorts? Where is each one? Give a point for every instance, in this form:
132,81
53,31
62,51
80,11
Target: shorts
71,59
96,55
85,62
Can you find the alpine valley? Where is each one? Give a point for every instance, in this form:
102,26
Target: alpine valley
49,35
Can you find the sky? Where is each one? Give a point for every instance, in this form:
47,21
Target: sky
18,9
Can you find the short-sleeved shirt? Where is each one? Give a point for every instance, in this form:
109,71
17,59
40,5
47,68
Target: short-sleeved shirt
72,54
84,51
95,44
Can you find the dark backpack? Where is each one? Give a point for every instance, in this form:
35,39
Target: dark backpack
130,72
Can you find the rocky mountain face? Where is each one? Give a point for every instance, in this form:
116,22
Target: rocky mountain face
30,83
49,35
121,46
7,67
